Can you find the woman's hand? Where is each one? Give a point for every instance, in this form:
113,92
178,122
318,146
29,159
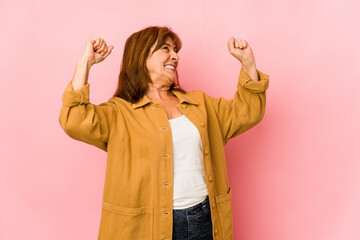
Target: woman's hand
96,50
242,51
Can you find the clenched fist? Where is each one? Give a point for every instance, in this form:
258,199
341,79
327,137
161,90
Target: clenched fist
241,50
96,50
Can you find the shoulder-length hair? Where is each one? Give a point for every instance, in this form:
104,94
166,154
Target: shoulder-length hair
134,76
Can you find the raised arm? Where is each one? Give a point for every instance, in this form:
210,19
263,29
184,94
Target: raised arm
247,108
79,118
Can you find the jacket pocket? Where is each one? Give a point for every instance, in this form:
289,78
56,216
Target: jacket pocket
126,223
224,209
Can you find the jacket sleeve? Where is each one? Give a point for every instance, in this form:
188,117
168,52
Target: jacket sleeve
246,109
84,121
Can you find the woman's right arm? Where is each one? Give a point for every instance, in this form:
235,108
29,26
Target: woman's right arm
79,118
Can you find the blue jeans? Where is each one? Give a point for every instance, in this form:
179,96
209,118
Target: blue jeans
193,222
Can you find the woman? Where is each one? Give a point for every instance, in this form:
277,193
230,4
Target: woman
166,175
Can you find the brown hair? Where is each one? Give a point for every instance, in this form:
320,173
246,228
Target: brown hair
134,76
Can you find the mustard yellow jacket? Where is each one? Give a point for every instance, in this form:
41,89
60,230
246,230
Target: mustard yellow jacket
138,191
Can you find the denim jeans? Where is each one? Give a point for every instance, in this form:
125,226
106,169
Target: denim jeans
193,223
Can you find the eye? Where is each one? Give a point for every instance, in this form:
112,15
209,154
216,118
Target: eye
168,49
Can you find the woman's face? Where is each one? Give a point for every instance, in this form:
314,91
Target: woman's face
162,64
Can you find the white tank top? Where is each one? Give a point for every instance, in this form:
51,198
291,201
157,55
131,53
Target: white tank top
189,181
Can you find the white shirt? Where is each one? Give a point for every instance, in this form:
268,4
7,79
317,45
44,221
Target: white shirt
189,181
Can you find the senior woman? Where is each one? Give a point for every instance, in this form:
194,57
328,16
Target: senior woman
166,175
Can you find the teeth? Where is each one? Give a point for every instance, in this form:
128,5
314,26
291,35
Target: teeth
170,67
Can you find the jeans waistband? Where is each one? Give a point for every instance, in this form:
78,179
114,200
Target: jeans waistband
199,205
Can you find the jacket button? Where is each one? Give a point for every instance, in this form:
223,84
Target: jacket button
210,178
183,106
213,205
215,231
202,124
206,152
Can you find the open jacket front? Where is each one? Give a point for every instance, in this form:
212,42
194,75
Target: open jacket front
138,191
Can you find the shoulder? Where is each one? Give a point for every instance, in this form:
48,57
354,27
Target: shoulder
196,95
199,96
119,101
118,104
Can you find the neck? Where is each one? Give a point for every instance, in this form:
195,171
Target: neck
158,93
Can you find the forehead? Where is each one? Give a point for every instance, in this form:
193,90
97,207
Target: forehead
170,41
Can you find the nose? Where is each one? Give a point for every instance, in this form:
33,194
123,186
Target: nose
174,56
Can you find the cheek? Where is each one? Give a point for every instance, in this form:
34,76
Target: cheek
155,68
151,66
157,63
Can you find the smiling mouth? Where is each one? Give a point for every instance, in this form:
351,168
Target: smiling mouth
170,67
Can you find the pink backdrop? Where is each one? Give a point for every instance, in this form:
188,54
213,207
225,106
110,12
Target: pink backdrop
294,176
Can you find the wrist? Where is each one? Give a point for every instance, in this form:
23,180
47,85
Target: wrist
249,64
85,62
251,72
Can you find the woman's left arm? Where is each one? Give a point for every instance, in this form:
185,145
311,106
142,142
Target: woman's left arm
247,107
241,50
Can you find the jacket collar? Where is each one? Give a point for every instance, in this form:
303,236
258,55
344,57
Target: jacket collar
183,97
142,102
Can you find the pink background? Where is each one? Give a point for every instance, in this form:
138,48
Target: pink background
294,176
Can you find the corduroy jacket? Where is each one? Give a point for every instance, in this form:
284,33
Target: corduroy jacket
138,191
